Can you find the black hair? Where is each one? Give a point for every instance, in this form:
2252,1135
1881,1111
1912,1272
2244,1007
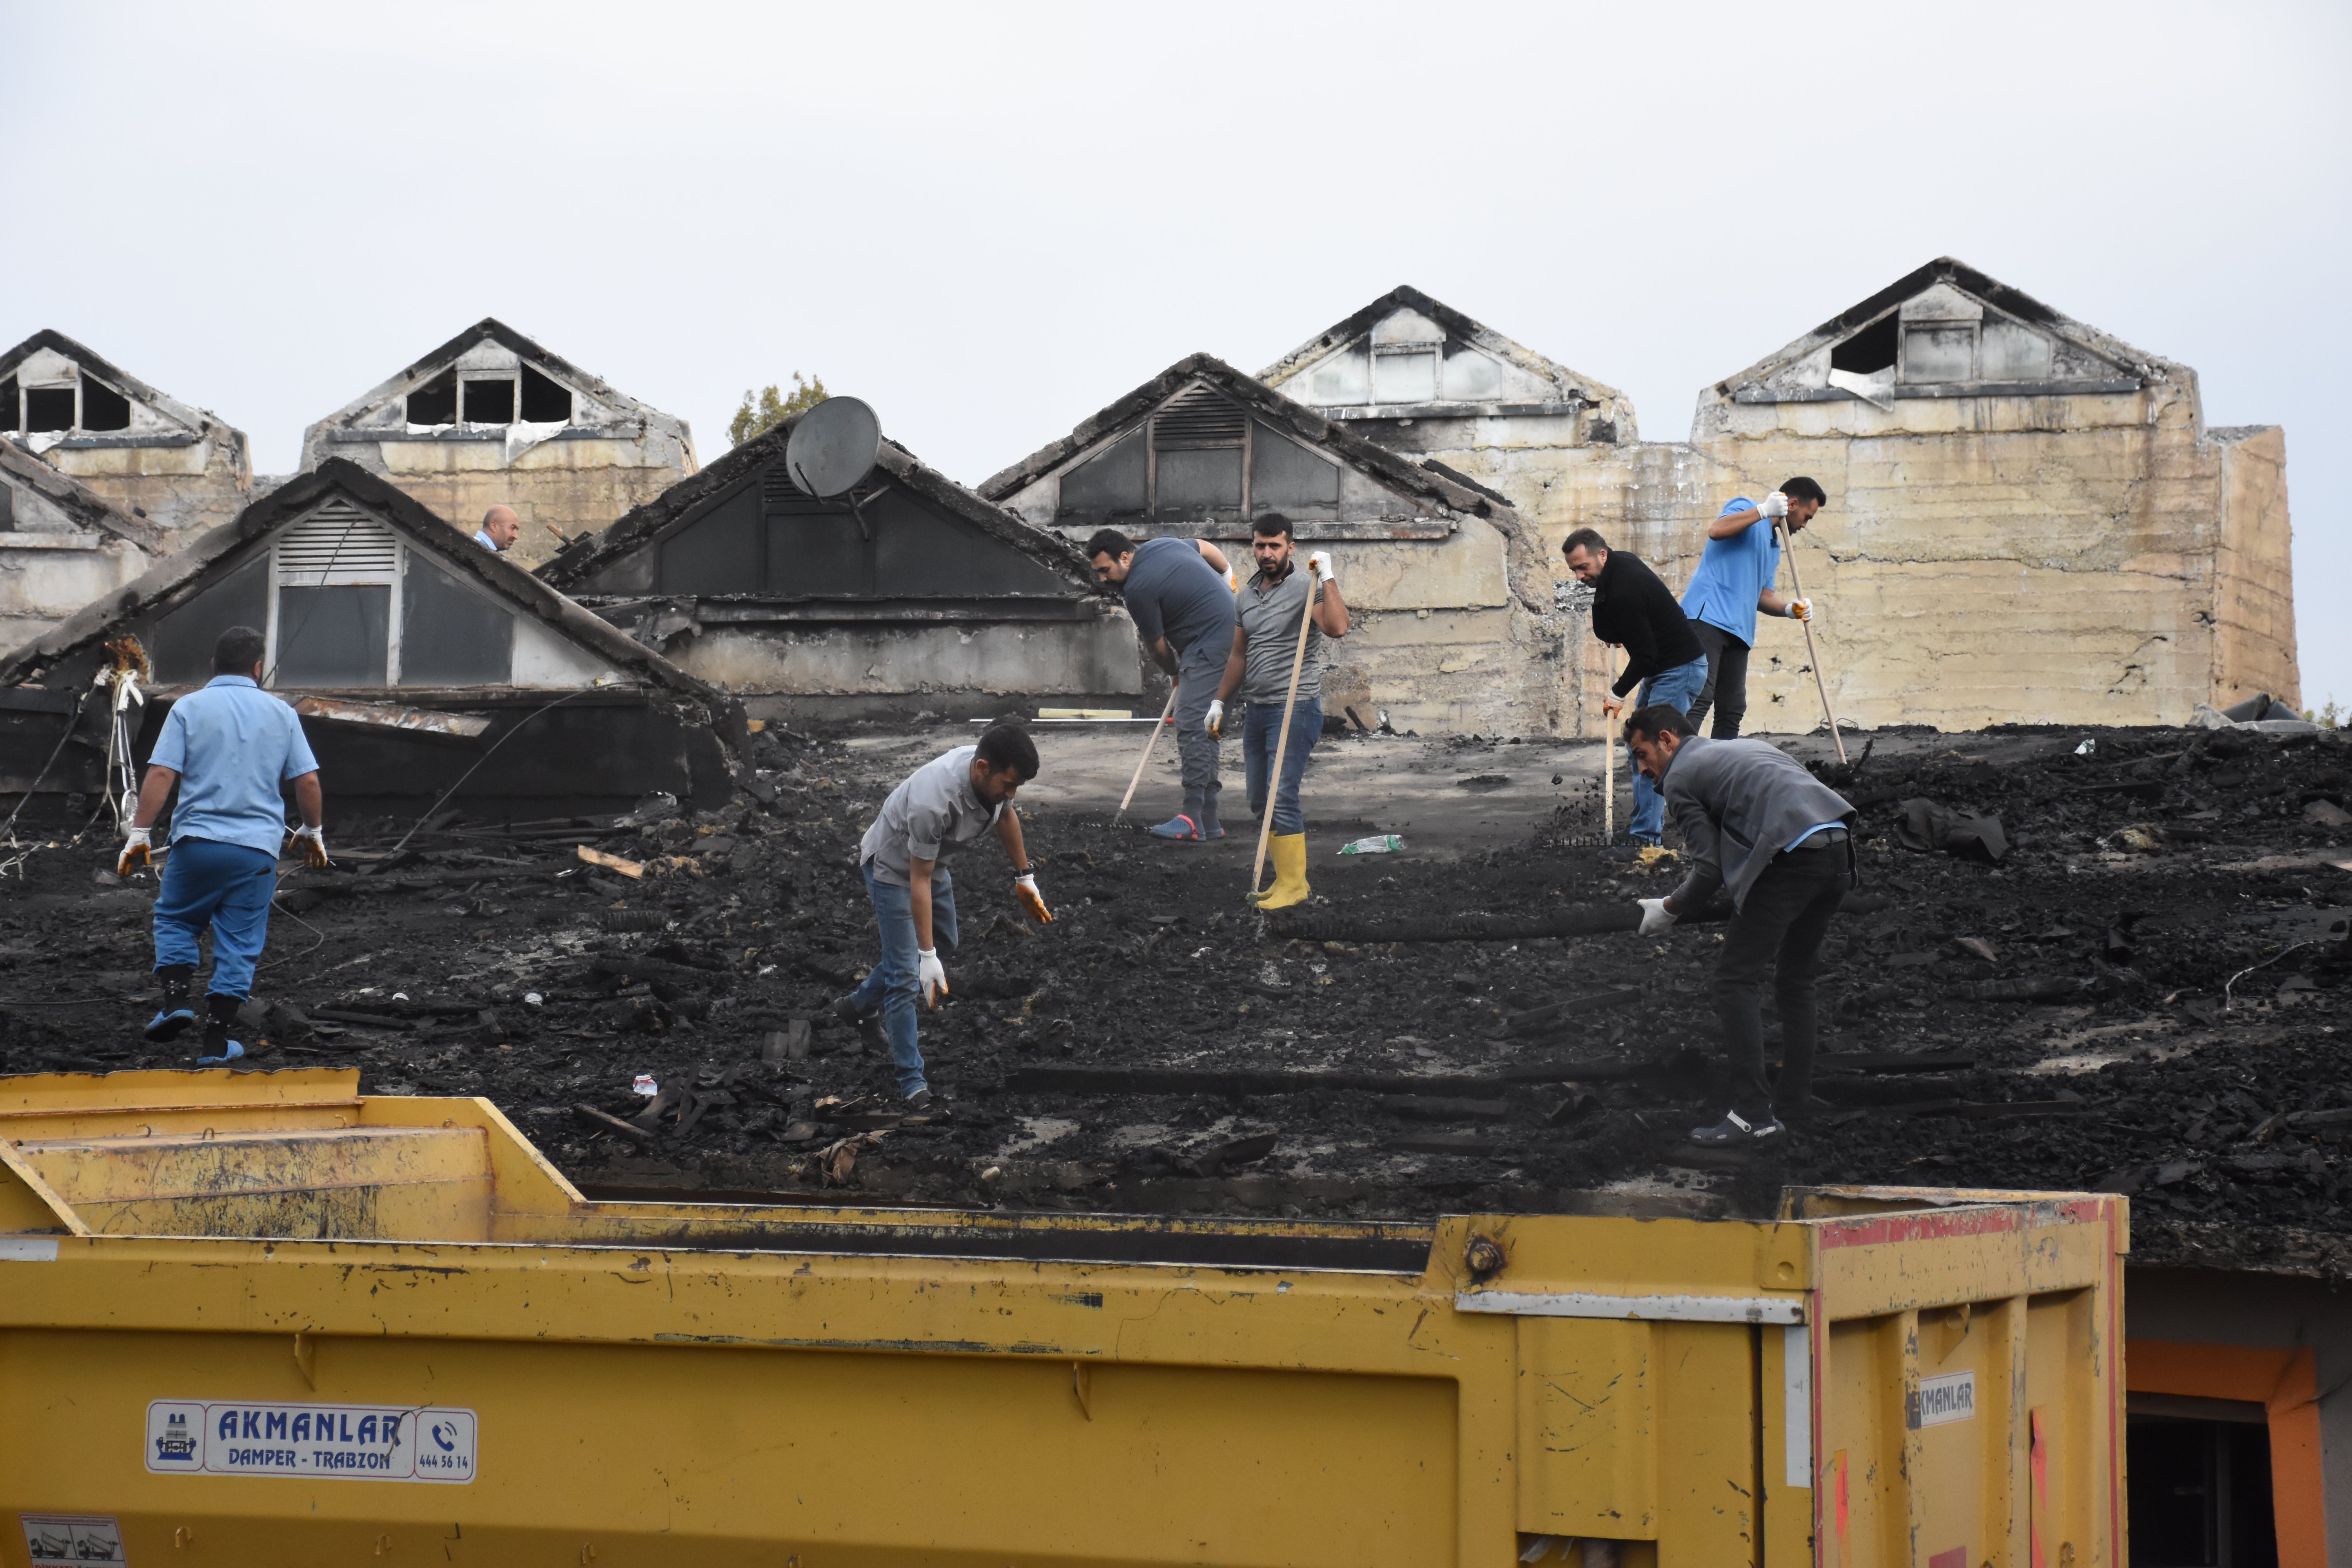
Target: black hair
1658,719
1271,523
1009,746
1589,537
1803,488
238,651
1111,542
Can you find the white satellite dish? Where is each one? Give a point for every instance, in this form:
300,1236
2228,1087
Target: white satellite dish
833,446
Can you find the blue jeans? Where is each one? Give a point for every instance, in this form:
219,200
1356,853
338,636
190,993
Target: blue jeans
1676,688
890,985
1260,732
228,886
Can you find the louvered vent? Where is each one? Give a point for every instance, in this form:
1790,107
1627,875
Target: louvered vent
335,545
776,487
1199,419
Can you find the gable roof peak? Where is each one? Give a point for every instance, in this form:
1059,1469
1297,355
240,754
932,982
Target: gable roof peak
1843,356
1406,317
188,416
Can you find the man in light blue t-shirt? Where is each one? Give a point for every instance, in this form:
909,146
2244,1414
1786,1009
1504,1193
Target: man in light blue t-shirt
1733,581
231,748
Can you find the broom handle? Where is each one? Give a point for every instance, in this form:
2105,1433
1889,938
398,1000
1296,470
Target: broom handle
1145,761
1788,548
1609,755
1282,741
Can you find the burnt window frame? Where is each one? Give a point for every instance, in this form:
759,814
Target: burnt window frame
456,382
18,419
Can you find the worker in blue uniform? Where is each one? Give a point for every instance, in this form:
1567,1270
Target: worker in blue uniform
231,748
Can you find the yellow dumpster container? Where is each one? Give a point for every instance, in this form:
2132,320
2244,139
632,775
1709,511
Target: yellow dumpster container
259,1319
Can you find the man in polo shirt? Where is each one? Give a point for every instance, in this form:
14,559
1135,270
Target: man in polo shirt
1632,610
1179,593
231,747
1755,820
1734,581
944,804
1267,613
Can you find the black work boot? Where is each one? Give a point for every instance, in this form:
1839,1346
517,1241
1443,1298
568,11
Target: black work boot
218,1047
175,1015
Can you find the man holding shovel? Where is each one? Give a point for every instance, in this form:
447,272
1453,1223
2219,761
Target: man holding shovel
1733,583
1268,613
1178,593
1632,610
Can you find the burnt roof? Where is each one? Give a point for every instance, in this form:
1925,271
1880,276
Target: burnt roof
1991,290
78,501
1571,384
217,552
1413,479
493,330
1432,482
643,525
114,375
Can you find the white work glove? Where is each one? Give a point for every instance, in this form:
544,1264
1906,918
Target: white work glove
1321,561
1799,610
1775,506
1216,721
1611,706
1656,916
1232,583
312,842
137,846
931,975
1024,887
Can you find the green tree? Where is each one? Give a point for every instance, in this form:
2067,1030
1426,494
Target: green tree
773,408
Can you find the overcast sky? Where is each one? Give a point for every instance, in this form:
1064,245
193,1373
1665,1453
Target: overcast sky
991,220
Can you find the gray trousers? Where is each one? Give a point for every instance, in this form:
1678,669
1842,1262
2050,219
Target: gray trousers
1199,670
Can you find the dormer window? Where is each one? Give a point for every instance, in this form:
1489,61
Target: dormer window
81,405
527,395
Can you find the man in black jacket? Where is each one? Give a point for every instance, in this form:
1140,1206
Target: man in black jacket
1633,610
1757,823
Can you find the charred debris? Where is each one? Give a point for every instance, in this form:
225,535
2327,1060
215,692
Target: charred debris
2142,993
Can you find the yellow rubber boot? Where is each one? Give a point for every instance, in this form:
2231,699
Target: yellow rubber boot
1288,852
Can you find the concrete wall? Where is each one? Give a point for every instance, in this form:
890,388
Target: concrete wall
1436,639
43,578
52,564
2084,559
186,488
574,483
912,665
2253,606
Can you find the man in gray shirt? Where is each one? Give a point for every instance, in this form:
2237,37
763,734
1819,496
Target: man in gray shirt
948,801
1752,818
1267,615
1179,593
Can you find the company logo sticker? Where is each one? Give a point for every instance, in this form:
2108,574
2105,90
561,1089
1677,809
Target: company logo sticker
1952,1397
352,1442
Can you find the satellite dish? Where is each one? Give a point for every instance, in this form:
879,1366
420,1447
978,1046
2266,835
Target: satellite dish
833,446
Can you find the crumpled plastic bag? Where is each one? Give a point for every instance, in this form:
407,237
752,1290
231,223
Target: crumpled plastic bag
1928,826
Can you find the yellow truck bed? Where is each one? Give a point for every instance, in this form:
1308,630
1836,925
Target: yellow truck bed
259,1319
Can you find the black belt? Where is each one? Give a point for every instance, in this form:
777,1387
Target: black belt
1826,838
